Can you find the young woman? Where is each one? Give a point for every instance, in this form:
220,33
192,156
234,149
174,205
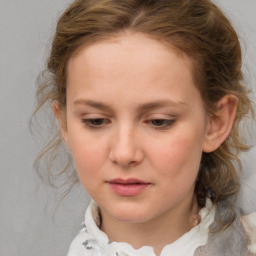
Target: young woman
148,97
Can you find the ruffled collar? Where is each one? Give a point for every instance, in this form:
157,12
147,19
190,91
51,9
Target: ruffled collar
92,241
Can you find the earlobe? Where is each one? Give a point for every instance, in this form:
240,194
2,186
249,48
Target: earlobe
61,120
220,123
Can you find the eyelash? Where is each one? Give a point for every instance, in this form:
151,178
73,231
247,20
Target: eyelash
93,122
161,124
97,123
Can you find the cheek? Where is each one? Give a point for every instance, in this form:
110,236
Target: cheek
178,156
88,160
86,157
88,153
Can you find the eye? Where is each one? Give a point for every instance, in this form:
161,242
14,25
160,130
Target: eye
161,123
95,122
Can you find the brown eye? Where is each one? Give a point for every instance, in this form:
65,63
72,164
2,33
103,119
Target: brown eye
95,122
161,123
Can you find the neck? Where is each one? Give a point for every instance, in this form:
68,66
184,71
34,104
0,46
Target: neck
157,232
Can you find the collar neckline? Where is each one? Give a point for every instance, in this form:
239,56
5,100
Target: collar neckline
187,243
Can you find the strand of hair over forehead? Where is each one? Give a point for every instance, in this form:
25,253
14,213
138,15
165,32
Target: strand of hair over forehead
126,13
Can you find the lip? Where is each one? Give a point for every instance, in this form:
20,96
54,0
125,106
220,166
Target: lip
128,187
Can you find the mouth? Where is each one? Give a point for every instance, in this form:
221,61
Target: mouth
128,187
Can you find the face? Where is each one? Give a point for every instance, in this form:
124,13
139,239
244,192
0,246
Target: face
136,126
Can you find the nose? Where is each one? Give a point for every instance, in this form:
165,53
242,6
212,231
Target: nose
125,150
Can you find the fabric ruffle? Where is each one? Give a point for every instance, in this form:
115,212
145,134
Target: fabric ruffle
91,241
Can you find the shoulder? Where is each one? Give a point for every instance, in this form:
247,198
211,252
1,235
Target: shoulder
239,238
249,224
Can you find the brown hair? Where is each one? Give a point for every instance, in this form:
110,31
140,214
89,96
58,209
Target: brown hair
194,27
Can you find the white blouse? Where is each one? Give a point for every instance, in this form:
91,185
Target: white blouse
91,241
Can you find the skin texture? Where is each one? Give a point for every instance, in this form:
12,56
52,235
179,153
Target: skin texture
134,112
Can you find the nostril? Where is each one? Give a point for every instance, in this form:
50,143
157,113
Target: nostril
132,163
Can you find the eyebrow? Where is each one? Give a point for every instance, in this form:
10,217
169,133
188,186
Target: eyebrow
94,104
158,104
142,107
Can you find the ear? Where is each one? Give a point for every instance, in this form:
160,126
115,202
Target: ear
220,123
59,115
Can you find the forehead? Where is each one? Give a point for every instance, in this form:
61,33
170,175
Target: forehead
129,62
132,41
124,48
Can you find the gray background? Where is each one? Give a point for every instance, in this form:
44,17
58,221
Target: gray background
31,221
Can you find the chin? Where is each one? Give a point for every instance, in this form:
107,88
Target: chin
130,215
